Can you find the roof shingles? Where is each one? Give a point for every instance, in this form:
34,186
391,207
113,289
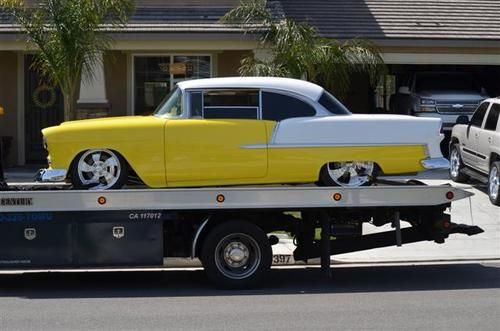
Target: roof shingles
400,19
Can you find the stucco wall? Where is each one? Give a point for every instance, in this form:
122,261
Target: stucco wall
229,62
115,64
8,100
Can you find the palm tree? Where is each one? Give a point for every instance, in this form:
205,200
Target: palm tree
70,38
299,51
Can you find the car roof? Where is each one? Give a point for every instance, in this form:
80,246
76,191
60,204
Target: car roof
300,87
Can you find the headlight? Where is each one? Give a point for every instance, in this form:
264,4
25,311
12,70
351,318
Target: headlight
427,105
427,102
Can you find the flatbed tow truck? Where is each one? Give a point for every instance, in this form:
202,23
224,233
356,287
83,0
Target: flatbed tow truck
230,229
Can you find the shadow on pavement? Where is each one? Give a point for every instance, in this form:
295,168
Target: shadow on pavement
188,283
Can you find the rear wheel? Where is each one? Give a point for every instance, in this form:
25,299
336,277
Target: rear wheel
99,169
456,165
347,174
494,183
236,254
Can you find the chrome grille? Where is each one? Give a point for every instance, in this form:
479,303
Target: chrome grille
456,107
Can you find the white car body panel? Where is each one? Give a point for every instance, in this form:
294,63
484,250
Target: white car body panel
370,130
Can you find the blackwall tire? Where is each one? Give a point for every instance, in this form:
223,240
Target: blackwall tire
99,169
494,183
332,177
236,255
456,165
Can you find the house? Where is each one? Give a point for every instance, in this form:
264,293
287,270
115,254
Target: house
168,41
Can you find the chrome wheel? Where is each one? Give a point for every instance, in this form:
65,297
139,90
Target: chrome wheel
237,256
455,163
99,169
494,183
351,174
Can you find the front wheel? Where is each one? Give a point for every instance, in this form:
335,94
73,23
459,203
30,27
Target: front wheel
347,174
236,254
99,169
494,183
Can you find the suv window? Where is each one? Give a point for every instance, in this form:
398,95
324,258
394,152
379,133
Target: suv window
477,118
277,107
238,104
492,120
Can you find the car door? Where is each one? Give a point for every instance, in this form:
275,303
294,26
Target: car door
211,145
468,144
486,138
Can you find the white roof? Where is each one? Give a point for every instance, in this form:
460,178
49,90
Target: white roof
300,87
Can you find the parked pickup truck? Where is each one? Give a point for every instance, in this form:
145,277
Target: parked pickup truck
445,95
475,148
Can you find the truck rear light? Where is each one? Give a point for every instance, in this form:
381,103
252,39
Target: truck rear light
450,195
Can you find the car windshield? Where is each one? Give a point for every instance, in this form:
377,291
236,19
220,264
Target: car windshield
171,106
333,105
445,81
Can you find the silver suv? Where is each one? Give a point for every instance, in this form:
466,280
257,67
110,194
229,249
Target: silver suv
475,147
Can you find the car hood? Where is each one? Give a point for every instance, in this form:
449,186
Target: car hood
453,95
106,123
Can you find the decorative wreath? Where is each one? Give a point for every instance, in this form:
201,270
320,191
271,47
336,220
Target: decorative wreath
39,92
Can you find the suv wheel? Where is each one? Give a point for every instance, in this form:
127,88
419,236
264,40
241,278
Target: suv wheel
494,183
456,165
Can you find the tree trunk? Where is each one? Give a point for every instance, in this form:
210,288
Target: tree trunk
68,106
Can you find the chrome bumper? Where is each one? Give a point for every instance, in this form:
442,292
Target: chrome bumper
436,163
51,175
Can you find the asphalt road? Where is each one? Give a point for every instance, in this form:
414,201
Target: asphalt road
426,297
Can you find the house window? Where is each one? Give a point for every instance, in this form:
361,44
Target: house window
156,76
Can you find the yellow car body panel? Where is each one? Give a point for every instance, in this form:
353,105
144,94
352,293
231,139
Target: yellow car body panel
210,152
203,150
139,139
303,165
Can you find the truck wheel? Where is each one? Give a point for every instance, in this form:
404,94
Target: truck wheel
456,165
236,255
494,183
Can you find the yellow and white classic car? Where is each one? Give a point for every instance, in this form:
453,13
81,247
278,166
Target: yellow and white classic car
241,131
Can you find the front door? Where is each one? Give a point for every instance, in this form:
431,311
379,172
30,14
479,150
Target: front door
208,150
43,108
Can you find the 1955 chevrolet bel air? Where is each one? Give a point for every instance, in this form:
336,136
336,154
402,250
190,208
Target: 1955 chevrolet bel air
241,131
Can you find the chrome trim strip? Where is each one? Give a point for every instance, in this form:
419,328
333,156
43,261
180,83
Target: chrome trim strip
273,146
197,235
436,163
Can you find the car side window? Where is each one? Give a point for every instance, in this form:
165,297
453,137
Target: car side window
237,104
277,107
477,118
492,120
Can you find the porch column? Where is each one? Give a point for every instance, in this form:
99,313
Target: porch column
93,102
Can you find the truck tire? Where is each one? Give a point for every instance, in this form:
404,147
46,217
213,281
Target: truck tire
456,165
236,255
494,183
